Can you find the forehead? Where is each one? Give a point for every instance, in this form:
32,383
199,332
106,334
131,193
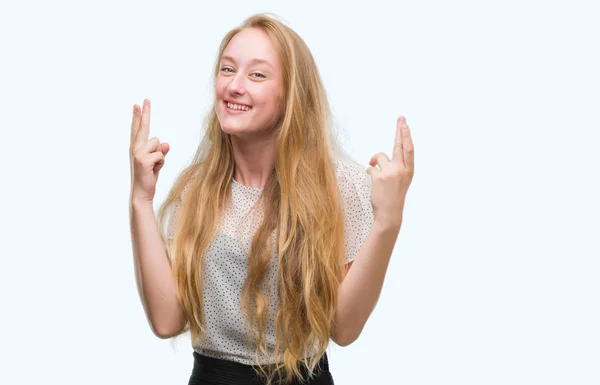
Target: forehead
250,44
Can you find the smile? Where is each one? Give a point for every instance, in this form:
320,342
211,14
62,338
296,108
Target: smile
237,107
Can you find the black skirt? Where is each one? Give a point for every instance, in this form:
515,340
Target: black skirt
214,371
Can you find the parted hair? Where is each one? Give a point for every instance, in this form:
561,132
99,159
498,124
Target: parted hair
302,206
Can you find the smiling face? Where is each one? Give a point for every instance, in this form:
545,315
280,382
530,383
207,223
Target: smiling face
249,84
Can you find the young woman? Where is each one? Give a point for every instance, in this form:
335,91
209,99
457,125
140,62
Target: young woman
265,224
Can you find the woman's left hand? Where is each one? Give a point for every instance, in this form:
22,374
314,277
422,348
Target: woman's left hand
393,177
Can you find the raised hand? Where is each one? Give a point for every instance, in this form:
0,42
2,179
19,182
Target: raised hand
146,157
393,177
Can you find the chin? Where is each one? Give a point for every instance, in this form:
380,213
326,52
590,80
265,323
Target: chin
235,130
229,128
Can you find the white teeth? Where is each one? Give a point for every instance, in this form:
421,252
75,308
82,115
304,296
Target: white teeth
238,107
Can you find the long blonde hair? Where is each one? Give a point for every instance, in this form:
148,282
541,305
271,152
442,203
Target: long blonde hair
303,207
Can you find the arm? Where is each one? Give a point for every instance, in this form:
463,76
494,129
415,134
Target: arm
360,290
153,272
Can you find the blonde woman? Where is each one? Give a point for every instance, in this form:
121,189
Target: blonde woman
275,242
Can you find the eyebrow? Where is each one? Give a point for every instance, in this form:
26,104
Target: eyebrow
255,60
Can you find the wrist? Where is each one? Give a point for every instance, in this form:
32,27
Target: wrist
135,201
388,224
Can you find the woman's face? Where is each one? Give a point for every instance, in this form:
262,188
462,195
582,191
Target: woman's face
249,84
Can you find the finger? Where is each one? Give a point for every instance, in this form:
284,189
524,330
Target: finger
409,149
135,123
159,164
372,171
398,145
152,145
156,158
380,159
144,128
164,148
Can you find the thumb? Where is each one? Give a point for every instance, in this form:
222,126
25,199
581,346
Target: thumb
164,148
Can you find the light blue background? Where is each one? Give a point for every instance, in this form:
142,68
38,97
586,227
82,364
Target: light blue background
494,279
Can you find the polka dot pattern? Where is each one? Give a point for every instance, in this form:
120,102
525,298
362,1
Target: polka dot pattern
229,336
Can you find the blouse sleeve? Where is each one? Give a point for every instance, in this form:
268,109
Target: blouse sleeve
173,219
355,188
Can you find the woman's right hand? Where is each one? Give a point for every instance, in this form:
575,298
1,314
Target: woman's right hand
147,156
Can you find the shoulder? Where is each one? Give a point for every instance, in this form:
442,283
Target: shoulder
355,188
351,174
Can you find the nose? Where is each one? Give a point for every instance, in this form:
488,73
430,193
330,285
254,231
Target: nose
236,85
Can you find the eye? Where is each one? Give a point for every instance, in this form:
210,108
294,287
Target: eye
259,75
226,69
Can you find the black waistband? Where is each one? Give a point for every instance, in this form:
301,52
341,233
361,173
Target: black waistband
235,372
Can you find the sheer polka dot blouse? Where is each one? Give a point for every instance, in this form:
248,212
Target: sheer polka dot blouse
225,263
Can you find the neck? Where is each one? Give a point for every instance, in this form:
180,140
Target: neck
254,159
